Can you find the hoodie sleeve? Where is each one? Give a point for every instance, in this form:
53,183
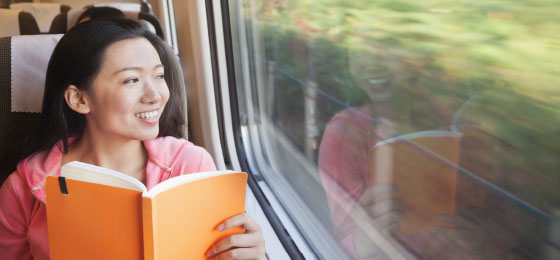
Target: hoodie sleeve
343,168
15,211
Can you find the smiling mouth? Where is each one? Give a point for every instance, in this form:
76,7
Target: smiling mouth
377,83
147,115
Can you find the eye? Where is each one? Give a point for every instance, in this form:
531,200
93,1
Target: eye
130,81
160,76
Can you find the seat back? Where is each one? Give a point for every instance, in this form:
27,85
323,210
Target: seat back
23,64
6,3
123,6
64,21
17,22
148,21
43,13
146,7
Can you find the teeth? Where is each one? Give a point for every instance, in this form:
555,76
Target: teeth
376,81
147,114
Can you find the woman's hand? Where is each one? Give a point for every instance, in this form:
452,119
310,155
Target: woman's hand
249,245
383,212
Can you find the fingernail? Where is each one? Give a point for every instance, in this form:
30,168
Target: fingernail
221,227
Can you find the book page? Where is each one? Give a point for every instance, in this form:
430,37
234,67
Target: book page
180,222
90,173
179,180
423,170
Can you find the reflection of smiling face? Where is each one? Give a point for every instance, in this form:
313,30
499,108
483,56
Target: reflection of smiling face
129,93
370,74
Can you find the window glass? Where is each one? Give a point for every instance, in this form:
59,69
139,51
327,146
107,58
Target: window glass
425,129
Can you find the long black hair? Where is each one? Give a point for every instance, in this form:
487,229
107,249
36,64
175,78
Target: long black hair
76,60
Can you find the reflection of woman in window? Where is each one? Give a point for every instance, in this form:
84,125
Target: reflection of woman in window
343,152
345,173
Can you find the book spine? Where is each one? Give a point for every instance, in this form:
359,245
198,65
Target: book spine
148,228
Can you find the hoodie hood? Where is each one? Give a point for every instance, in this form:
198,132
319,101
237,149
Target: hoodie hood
35,169
162,155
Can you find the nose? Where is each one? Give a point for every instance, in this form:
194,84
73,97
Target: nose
150,93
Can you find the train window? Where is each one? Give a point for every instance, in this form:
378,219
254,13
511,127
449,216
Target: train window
405,129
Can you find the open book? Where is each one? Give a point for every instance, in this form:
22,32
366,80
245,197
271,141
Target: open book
423,169
97,213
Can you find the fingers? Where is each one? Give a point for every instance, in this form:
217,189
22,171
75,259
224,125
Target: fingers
249,245
239,241
390,229
387,224
377,192
386,216
244,220
386,219
241,253
383,207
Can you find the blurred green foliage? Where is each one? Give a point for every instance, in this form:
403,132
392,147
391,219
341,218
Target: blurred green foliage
436,54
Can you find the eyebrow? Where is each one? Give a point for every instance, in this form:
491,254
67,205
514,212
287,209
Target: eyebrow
136,69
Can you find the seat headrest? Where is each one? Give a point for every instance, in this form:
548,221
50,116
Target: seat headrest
149,22
9,18
29,59
72,17
23,63
63,22
125,7
16,22
43,13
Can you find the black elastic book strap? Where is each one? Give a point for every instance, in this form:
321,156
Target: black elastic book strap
62,184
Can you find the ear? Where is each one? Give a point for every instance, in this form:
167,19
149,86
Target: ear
76,100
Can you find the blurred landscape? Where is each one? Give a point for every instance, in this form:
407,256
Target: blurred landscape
490,66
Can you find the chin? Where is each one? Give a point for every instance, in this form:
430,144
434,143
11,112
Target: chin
148,136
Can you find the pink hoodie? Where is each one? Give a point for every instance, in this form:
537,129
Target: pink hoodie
23,220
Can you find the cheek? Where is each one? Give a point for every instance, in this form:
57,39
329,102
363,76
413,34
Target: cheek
123,102
165,94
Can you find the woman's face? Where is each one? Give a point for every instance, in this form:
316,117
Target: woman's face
371,75
129,94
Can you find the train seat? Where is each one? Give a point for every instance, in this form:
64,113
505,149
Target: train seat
125,7
43,13
143,7
25,23
23,65
64,21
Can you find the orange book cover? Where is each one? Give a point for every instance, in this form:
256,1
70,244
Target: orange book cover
97,213
426,185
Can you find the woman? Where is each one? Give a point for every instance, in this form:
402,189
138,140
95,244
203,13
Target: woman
113,98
